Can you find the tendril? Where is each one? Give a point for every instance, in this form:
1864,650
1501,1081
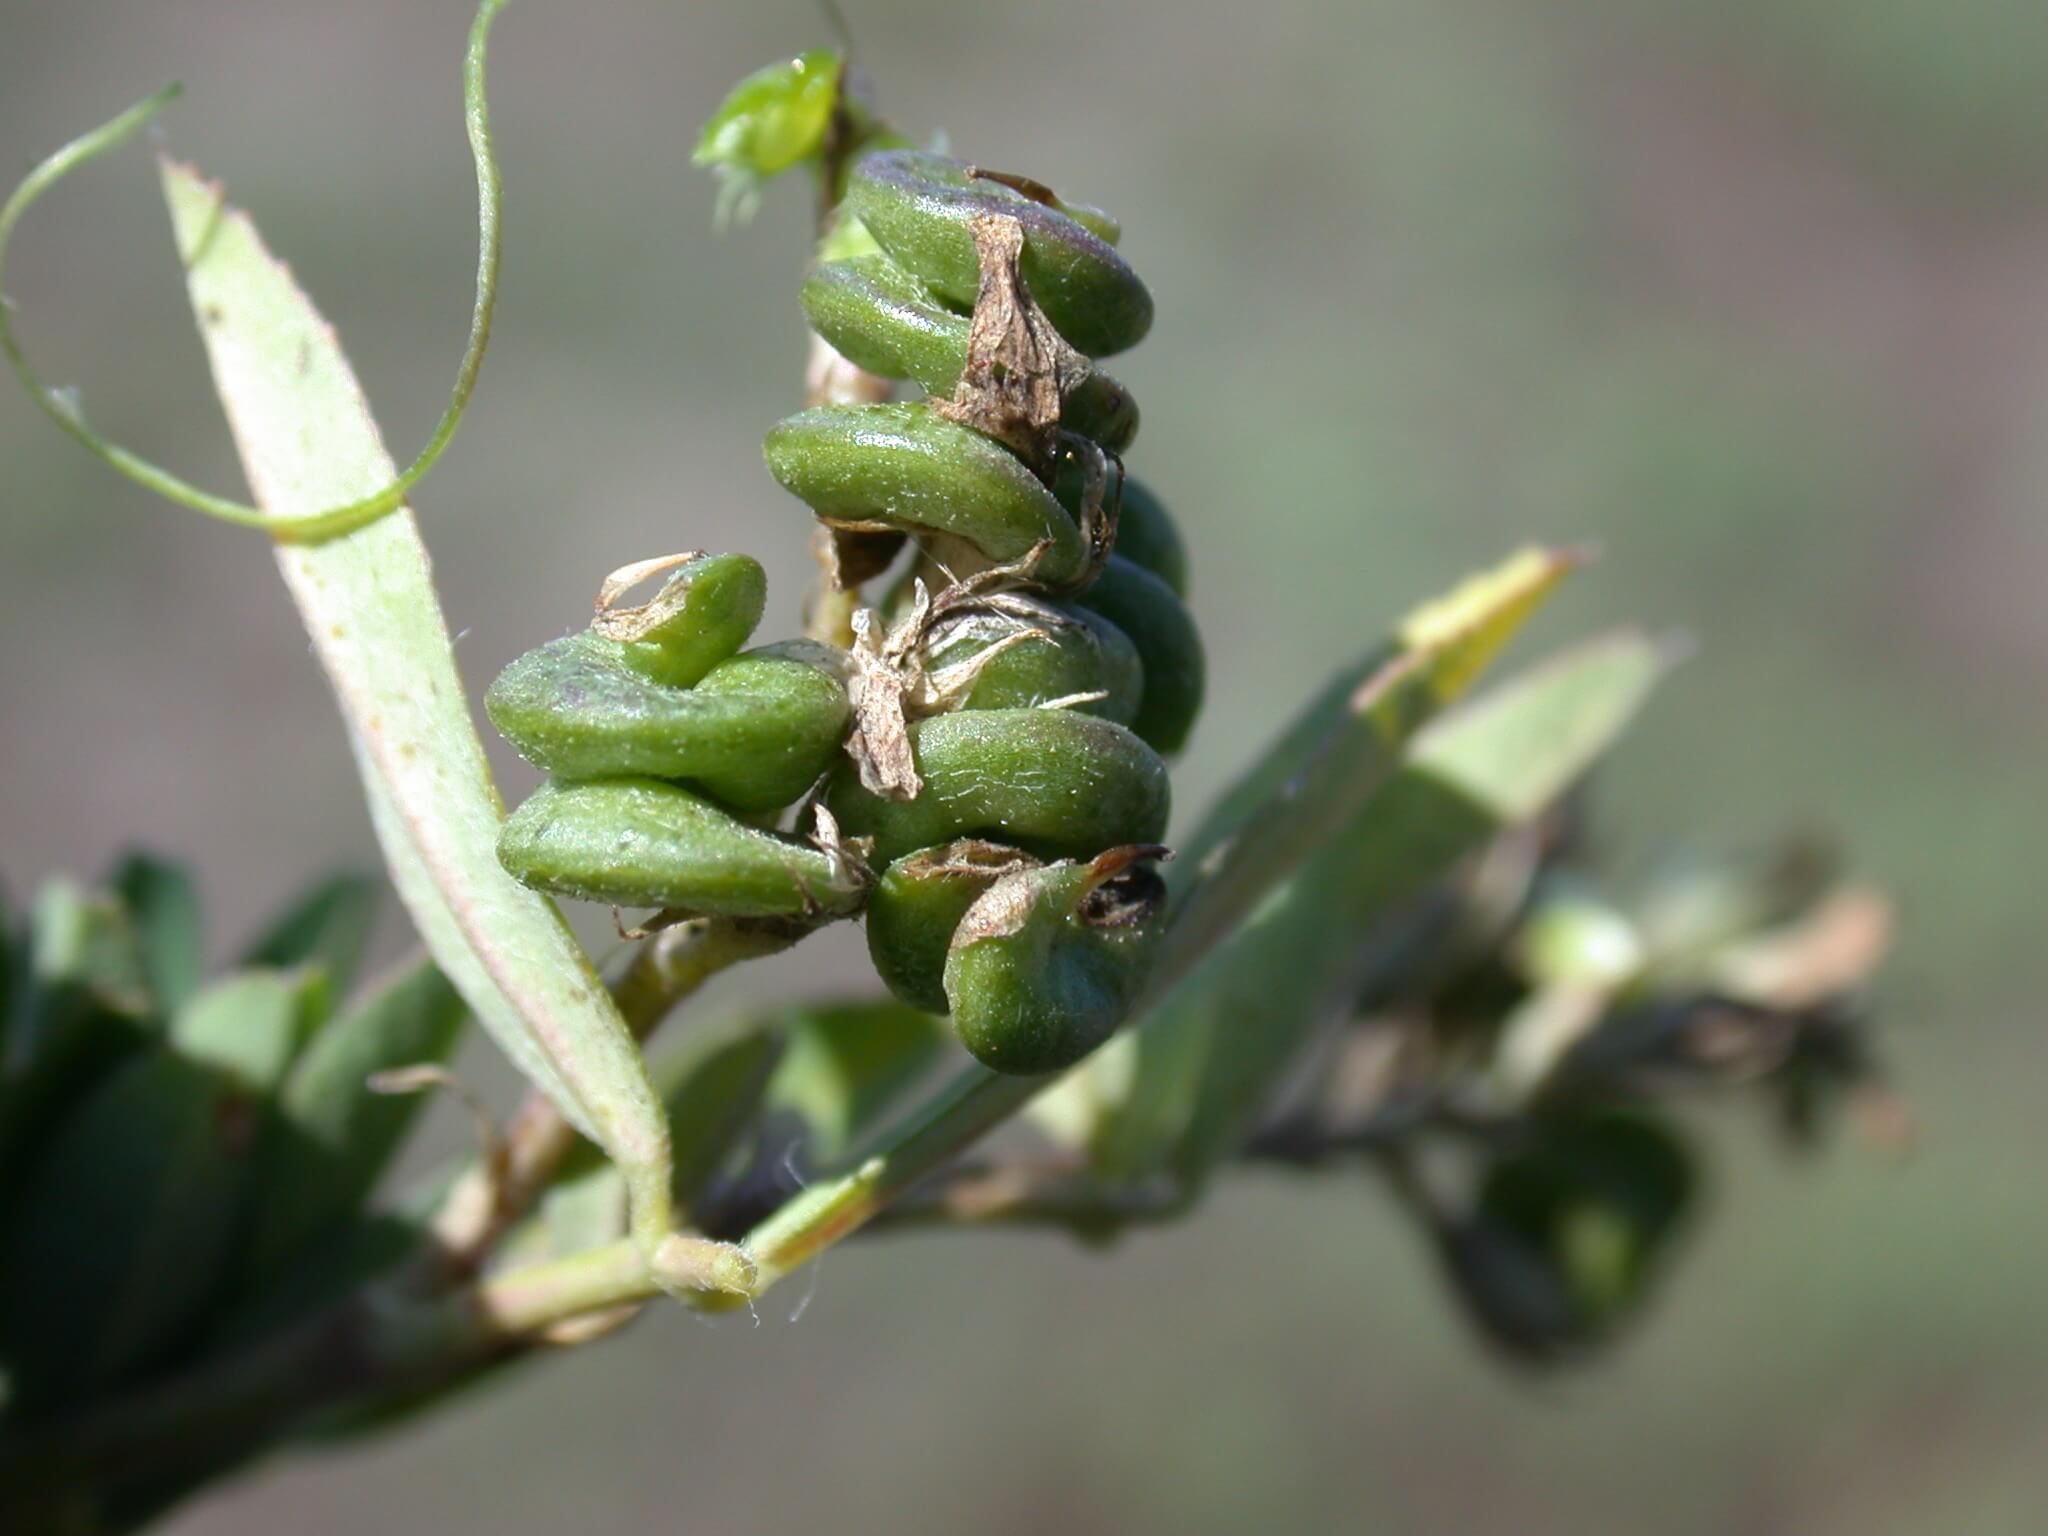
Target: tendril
62,407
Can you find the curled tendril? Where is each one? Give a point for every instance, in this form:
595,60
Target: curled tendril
62,407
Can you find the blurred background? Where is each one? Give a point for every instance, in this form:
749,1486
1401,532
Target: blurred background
1754,295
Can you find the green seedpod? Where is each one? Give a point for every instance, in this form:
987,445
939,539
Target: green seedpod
882,319
1159,624
251,1026
124,1227
1081,653
1048,961
1146,534
919,208
329,1137
163,906
903,467
327,925
637,842
755,733
703,614
1148,537
916,906
1053,782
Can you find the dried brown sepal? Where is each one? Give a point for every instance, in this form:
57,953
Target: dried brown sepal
892,684
849,855
1019,368
630,624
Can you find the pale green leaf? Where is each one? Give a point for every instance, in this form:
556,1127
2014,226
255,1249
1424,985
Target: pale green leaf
307,441
1206,1062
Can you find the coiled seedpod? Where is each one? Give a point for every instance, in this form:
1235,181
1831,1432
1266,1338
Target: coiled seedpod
992,794
668,744
1013,827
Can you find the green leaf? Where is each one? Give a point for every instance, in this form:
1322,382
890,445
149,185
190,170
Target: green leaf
1204,1065
330,1137
251,1026
1318,776
307,442
82,1008
163,905
326,925
849,1063
124,1227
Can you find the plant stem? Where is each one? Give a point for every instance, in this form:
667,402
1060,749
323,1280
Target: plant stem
666,969
975,1103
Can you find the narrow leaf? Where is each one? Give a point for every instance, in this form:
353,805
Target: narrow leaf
163,904
124,1227
307,441
1206,1063
327,925
251,1025
82,1007
330,1137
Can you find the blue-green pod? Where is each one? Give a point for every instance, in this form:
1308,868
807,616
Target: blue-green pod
756,732
124,1228
917,905
702,615
1050,781
1081,653
882,319
1047,962
1160,626
1147,536
905,468
919,208
638,842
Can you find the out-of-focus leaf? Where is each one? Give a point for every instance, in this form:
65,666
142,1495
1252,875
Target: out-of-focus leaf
163,904
1327,766
1567,1231
848,1063
1204,1065
711,1098
329,1136
251,1025
307,443
327,925
1573,936
124,1226
336,1260
83,1005
1698,906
